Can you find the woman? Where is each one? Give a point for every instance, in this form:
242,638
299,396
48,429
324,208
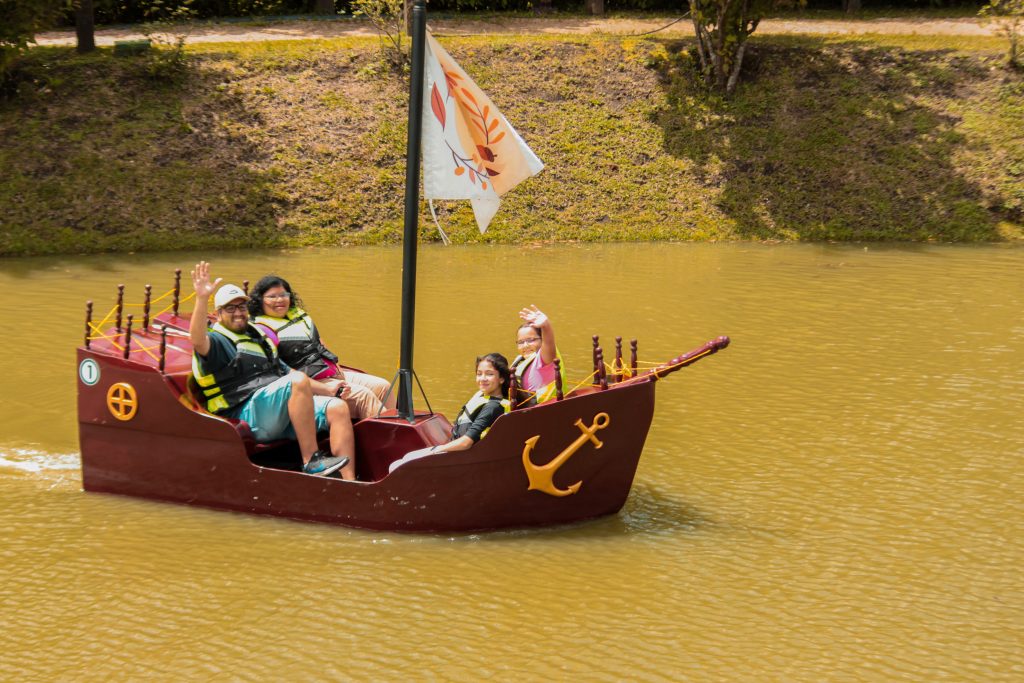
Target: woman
493,378
534,367
275,307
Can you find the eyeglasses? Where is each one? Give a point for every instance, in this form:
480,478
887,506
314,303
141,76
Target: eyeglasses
525,342
234,308
277,297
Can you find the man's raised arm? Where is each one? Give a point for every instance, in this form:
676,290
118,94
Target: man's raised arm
197,325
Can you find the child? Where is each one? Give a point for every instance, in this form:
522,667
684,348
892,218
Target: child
534,367
476,417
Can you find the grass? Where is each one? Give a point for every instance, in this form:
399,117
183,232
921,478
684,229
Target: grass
303,143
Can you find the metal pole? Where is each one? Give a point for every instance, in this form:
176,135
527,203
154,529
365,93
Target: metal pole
412,210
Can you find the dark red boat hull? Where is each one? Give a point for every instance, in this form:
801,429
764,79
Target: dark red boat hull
169,450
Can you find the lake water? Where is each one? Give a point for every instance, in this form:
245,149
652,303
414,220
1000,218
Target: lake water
836,496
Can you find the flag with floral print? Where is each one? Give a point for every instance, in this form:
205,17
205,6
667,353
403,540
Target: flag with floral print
469,149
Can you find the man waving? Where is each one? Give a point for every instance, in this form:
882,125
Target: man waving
241,377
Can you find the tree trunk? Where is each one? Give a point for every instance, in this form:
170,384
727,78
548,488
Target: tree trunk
85,26
851,6
324,7
730,86
595,6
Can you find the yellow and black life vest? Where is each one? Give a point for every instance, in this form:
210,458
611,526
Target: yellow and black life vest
469,411
298,341
546,392
254,366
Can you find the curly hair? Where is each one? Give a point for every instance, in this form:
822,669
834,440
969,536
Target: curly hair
269,282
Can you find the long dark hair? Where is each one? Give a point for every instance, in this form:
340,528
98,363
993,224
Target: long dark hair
500,364
269,282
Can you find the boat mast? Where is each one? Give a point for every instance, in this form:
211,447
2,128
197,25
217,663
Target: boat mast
412,213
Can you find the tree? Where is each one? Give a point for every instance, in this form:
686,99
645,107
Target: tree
85,26
389,17
722,28
20,20
1009,18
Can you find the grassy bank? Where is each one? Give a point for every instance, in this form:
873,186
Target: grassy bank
296,143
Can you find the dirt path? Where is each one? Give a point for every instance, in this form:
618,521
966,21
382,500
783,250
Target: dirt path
309,29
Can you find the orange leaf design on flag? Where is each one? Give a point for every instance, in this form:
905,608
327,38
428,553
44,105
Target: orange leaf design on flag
494,124
450,78
498,137
485,152
437,104
469,96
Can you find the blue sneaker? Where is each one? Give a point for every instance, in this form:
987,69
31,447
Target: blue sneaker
323,464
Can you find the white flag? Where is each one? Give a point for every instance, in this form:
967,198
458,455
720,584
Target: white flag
469,149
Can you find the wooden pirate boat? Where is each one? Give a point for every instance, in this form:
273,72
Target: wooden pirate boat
143,433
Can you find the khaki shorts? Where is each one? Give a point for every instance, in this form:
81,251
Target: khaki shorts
365,394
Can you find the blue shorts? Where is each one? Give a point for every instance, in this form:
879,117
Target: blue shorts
267,411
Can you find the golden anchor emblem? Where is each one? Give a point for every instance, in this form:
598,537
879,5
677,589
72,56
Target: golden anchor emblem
540,476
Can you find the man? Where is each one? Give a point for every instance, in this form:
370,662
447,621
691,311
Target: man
241,376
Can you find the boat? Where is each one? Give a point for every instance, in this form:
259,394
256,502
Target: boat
142,431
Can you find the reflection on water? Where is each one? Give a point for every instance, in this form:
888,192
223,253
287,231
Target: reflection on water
834,497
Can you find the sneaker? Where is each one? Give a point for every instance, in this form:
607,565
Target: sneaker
322,464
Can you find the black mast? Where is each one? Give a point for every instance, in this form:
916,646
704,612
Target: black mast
412,201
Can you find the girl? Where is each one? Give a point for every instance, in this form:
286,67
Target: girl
476,417
534,367
275,307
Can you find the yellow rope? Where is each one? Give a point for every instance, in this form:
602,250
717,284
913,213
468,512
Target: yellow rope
111,315
585,380
97,328
171,307
628,376
530,396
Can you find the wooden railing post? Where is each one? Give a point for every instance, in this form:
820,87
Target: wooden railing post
128,338
145,308
558,380
177,292
120,307
88,323
163,348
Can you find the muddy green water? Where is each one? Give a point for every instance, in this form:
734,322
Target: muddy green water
837,496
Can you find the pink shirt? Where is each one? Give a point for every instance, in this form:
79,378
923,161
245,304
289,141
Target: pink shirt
538,375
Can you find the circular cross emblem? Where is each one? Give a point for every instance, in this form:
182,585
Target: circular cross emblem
122,401
89,371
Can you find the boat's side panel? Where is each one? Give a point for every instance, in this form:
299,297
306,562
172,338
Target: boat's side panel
169,451
487,487
164,450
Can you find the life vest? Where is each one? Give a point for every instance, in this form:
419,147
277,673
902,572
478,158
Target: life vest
546,392
254,366
298,341
469,412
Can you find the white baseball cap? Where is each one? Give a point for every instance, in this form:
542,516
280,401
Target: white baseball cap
227,294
